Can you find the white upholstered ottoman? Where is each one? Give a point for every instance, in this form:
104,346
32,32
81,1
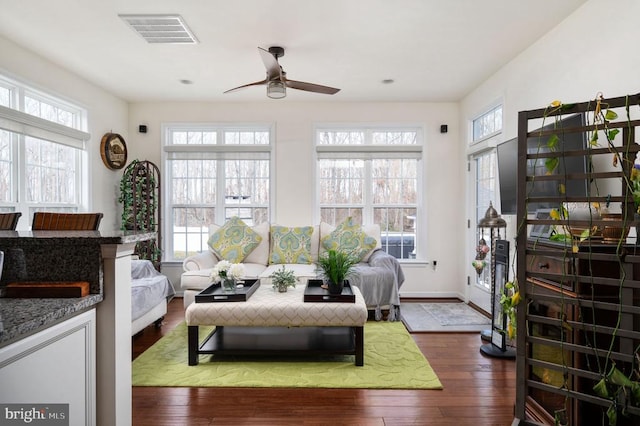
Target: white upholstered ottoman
272,323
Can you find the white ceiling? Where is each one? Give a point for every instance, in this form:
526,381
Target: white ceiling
435,50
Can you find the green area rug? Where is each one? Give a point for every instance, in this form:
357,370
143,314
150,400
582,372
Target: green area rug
391,361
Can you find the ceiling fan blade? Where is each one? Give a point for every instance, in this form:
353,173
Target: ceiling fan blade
257,83
310,87
274,71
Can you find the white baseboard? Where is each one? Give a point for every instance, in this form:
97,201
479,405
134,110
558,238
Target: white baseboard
432,295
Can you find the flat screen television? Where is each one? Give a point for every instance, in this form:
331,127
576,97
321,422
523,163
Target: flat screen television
507,154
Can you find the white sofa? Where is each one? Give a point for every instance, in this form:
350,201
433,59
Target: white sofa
378,276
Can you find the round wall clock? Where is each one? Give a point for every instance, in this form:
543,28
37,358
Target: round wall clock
113,151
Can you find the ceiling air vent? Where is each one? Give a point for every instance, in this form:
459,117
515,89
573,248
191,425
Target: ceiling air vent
161,28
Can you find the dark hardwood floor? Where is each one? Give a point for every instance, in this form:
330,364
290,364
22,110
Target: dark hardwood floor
478,391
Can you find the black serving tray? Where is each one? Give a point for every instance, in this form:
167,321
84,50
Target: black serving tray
214,293
315,293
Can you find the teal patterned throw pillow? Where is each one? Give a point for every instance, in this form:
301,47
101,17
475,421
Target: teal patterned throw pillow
291,245
234,240
349,237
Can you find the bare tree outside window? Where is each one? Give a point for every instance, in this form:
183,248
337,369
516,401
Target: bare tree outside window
211,186
377,186
38,174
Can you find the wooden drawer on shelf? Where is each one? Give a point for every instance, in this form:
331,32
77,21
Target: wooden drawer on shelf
562,268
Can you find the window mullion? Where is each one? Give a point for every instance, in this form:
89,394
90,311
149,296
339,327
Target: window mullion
367,213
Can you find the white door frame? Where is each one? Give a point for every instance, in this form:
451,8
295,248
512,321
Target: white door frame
476,294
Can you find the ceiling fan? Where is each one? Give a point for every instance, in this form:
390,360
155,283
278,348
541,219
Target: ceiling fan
277,81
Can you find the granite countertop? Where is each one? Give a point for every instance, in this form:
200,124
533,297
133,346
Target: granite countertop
22,317
56,256
101,237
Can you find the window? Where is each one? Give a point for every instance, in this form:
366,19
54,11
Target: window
213,172
486,184
488,124
372,175
41,151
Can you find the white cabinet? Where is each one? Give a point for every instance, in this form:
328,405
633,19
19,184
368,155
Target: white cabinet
54,366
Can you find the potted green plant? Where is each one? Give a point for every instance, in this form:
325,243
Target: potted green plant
336,266
282,279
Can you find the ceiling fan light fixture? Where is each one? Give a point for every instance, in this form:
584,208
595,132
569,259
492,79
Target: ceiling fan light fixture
276,89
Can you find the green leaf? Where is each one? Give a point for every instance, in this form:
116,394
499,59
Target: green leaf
612,415
552,143
613,133
585,234
562,189
635,390
610,115
617,377
600,389
560,237
551,164
594,139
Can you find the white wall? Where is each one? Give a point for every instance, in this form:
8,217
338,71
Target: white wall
294,180
593,50
106,113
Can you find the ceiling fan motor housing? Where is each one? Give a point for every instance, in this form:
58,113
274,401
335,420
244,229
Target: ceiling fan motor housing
277,51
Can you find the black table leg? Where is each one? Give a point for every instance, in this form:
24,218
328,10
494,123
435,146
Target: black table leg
359,331
193,344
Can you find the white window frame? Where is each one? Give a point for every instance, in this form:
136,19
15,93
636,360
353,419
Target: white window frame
217,151
367,151
496,127
20,125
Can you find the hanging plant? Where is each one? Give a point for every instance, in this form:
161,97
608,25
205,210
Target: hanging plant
509,302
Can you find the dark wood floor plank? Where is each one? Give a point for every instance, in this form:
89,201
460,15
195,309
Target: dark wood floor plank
478,390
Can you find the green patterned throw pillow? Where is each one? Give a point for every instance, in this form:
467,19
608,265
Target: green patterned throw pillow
291,245
234,240
349,237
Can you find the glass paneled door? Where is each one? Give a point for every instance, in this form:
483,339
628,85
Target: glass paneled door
483,179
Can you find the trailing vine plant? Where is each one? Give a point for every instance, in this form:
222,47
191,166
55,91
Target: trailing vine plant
139,196
621,390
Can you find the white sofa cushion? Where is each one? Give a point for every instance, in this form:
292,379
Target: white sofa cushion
300,270
200,279
260,254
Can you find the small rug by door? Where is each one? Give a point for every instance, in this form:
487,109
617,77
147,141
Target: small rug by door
443,317
391,361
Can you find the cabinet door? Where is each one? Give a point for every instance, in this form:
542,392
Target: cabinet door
54,366
544,357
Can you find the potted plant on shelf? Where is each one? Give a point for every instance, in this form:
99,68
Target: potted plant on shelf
282,279
336,266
